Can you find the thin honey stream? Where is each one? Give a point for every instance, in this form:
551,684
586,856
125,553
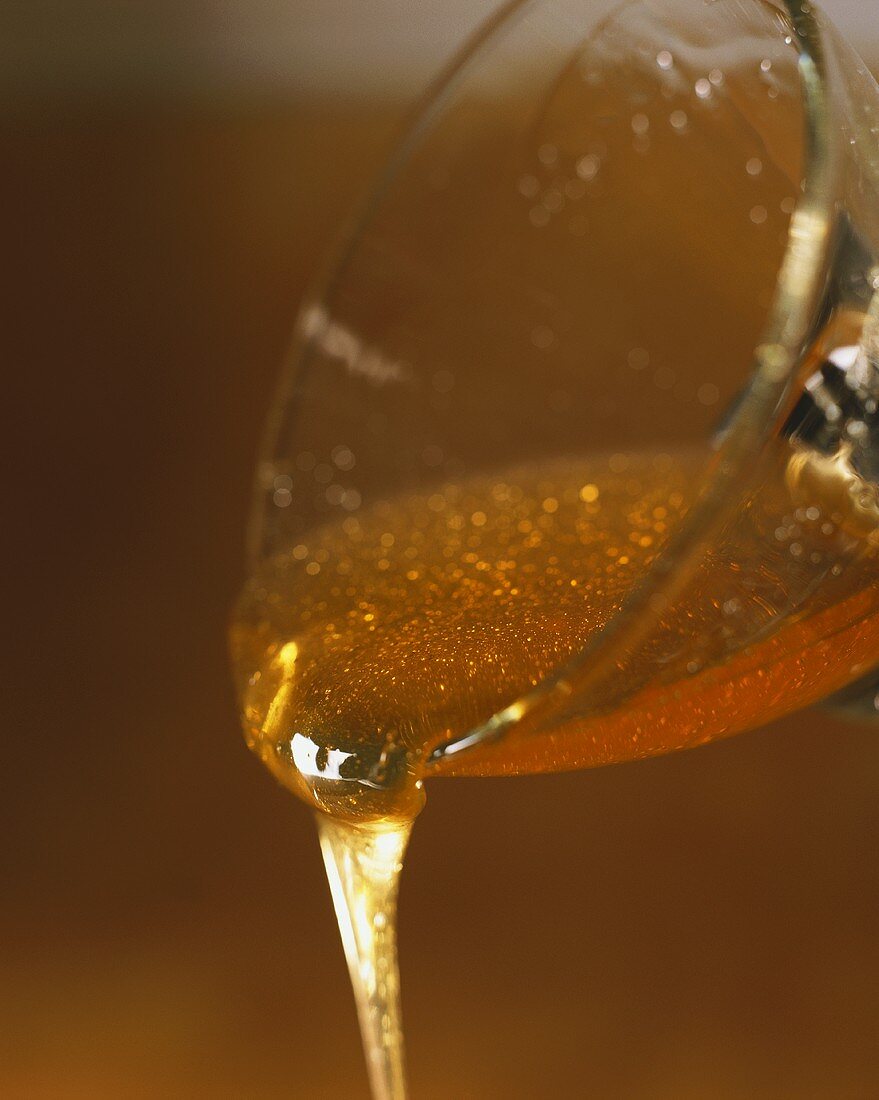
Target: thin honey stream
363,865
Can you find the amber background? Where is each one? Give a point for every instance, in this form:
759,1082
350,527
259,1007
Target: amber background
698,926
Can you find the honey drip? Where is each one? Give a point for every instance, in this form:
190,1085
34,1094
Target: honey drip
363,865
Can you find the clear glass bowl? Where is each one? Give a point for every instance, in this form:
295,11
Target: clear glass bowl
617,237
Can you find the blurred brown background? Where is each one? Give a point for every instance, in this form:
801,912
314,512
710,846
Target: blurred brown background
698,926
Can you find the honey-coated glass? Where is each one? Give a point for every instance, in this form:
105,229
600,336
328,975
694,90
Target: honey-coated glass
616,229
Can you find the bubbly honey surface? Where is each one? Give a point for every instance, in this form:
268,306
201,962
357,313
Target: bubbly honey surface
373,640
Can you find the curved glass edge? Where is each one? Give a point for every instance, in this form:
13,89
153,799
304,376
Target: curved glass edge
427,107
766,402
